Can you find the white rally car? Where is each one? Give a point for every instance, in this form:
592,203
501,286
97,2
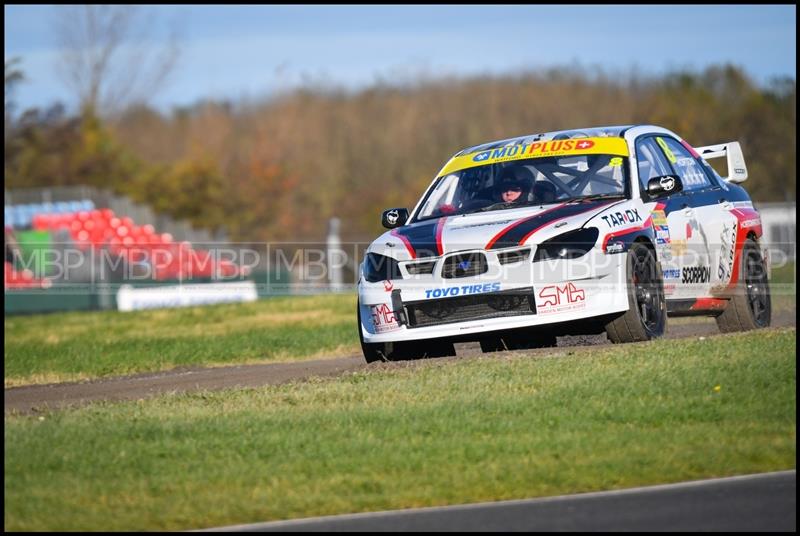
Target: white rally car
583,231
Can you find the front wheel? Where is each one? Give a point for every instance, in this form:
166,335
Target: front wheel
751,304
646,317
372,352
401,351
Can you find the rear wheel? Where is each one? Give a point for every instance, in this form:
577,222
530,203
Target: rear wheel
646,318
751,304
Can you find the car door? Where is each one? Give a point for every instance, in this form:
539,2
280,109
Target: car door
716,214
711,222
679,245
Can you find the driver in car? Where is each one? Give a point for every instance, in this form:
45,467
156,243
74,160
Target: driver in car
513,185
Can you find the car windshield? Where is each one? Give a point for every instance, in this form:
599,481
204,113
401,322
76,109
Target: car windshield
525,182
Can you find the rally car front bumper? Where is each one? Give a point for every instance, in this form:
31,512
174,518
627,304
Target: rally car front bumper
523,295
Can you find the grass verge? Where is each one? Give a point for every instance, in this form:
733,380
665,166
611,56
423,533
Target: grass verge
73,346
398,436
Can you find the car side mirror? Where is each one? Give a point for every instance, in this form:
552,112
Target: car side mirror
664,185
394,217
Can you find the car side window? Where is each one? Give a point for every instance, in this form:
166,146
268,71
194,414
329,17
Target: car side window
652,163
686,167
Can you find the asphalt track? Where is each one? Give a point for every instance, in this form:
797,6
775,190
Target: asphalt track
763,503
39,398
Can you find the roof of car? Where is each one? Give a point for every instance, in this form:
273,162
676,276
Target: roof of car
617,131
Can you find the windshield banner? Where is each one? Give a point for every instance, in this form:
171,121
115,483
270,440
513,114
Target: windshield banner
537,149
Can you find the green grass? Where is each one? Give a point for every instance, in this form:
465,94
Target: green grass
783,282
437,433
76,346
69,346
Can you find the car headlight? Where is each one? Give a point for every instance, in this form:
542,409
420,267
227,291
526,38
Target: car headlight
569,245
380,267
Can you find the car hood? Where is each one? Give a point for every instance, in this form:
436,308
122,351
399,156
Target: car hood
489,231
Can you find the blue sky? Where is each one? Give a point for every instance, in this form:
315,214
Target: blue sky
252,51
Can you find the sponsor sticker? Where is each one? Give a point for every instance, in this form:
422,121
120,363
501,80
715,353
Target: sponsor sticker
662,235
485,224
383,318
672,273
539,149
659,218
392,217
463,290
695,274
618,218
560,299
667,183
667,150
727,251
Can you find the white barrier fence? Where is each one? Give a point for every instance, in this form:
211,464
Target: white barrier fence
132,299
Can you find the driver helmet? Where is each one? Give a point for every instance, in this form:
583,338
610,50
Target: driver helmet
512,178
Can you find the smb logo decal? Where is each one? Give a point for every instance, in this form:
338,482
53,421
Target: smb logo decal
383,319
558,299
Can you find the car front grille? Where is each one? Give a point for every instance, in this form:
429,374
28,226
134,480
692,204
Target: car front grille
464,265
467,308
420,268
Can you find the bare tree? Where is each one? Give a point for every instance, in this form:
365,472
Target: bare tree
108,57
13,77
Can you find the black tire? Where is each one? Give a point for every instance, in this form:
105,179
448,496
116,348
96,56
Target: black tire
646,318
401,351
750,307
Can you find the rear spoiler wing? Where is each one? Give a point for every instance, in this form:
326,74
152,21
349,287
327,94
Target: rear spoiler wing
737,170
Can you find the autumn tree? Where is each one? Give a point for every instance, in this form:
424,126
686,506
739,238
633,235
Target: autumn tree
106,56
